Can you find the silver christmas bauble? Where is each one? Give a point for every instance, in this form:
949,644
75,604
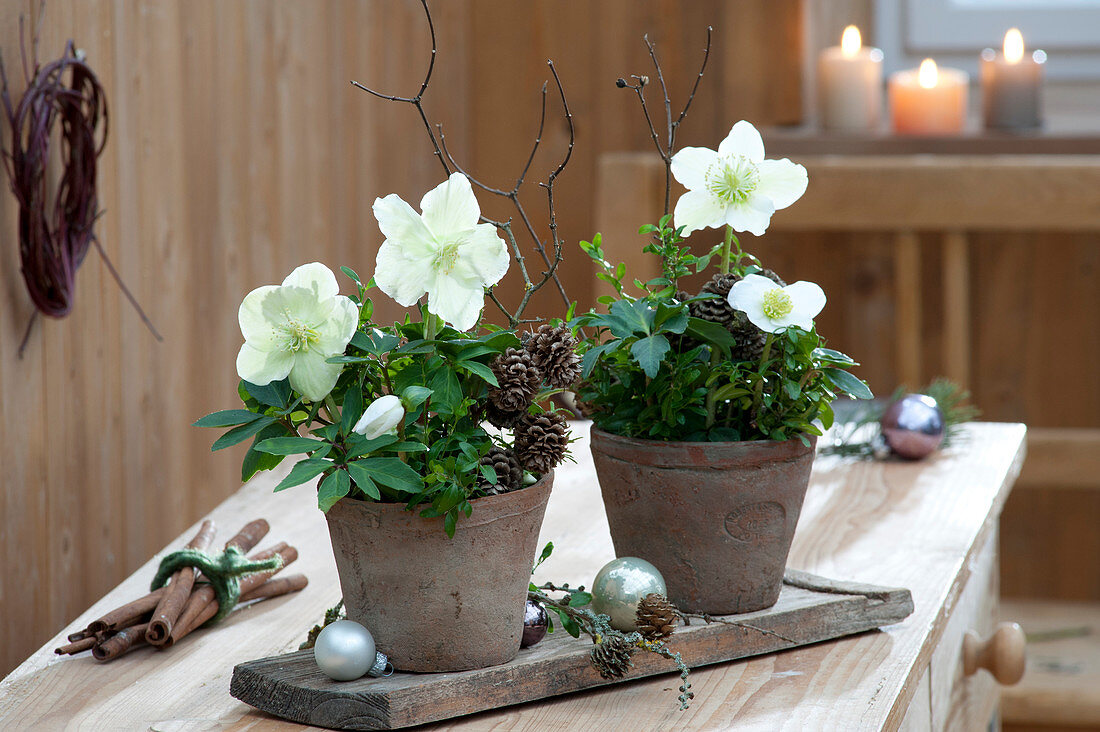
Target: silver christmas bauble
535,623
620,585
913,426
345,650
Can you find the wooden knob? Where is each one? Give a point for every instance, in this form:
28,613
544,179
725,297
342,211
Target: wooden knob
1002,654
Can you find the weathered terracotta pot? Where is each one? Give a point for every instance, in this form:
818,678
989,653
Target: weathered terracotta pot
717,518
434,603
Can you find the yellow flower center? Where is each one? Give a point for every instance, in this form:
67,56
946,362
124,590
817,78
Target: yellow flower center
298,336
777,303
733,179
445,258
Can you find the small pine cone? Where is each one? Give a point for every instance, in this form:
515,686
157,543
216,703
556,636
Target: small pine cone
518,378
508,470
611,656
655,617
553,352
715,309
502,418
541,441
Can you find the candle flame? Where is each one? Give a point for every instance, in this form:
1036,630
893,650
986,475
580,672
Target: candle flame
850,42
1014,46
929,75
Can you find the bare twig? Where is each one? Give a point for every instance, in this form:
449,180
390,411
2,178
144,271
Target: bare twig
739,623
417,99
668,149
447,160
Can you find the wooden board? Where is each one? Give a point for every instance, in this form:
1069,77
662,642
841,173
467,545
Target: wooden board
810,609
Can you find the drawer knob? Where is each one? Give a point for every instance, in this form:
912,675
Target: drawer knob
1002,654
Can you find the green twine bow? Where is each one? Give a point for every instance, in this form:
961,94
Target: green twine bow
222,572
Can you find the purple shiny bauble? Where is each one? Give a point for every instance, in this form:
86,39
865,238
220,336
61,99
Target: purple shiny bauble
535,621
913,426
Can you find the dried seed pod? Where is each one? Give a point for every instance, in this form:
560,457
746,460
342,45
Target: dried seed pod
611,656
552,350
656,617
508,470
518,379
541,441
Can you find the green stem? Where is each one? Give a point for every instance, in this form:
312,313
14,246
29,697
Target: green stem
712,392
758,398
726,249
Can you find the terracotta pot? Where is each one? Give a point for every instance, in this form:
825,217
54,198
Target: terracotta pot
434,603
717,518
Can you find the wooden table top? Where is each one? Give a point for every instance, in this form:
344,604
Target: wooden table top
911,525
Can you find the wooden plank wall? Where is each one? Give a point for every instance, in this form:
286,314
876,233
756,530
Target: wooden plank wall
237,151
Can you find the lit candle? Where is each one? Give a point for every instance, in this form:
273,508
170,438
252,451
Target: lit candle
1010,85
929,101
850,84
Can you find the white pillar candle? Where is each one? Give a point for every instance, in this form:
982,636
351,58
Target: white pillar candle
1011,84
850,85
929,101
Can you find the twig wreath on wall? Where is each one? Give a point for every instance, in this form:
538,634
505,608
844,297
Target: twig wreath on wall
57,220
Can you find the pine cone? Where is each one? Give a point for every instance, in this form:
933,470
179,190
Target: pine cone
715,309
541,441
508,470
655,617
502,418
611,656
518,380
552,351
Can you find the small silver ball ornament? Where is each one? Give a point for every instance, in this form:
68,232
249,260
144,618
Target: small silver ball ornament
345,650
535,622
621,585
913,426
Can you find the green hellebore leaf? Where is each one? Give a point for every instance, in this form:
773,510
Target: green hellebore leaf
333,488
303,472
241,433
227,418
649,352
289,445
847,383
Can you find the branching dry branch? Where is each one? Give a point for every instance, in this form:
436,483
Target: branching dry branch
668,149
447,160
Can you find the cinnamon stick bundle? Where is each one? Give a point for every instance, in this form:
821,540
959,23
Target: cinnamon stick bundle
178,590
202,606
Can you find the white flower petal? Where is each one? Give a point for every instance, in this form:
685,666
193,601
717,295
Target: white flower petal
382,416
690,166
699,210
336,332
256,327
748,290
782,181
263,366
752,215
316,278
450,207
482,256
312,376
402,225
458,302
808,299
743,139
403,278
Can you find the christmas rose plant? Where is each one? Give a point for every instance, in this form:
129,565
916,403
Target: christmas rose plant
398,413
739,360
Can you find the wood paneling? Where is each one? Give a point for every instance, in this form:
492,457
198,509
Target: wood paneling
237,151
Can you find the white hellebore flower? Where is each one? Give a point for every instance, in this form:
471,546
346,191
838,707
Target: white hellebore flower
772,308
734,185
382,416
443,251
292,328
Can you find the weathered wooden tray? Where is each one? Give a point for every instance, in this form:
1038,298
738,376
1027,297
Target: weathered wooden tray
810,609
